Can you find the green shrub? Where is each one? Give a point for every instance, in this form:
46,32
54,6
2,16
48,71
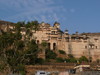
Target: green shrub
39,61
67,60
59,60
62,52
73,60
83,58
50,54
70,56
98,60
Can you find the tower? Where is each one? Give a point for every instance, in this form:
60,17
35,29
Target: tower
56,25
69,45
66,31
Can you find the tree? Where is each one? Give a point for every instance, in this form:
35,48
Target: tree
18,26
20,45
40,61
35,25
44,45
71,58
67,60
31,53
32,25
28,25
98,60
11,49
16,53
50,54
83,59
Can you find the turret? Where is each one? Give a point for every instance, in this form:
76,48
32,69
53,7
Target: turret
42,23
77,33
56,25
66,31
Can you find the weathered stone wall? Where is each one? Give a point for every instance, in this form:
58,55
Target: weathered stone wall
79,46
49,67
87,73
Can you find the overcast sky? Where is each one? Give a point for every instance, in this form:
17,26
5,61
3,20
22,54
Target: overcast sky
74,15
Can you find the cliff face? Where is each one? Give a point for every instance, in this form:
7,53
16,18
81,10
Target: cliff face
6,26
5,22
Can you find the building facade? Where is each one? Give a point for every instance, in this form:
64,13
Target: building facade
84,44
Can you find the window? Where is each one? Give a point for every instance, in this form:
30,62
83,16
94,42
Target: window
96,47
54,46
96,40
85,47
49,46
53,32
37,41
91,46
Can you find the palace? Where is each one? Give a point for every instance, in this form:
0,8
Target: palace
84,44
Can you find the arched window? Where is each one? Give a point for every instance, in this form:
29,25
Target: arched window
85,47
53,32
49,46
37,41
96,47
54,46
